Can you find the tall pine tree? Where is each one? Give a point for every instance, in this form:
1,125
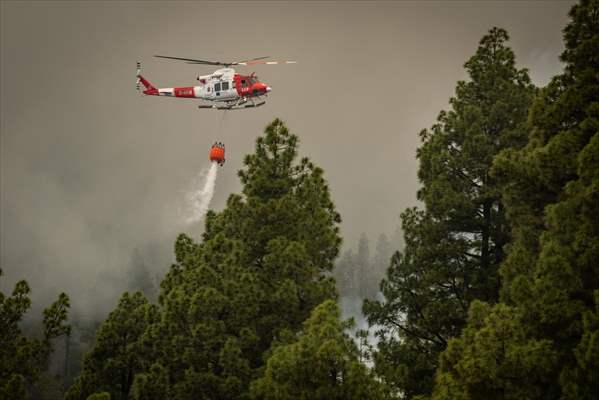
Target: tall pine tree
542,341
263,264
117,354
455,245
22,359
323,363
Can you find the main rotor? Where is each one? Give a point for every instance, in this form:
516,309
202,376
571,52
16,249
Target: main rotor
252,61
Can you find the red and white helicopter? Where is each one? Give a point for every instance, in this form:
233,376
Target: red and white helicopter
225,88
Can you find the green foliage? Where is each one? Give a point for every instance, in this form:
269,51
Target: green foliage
13,388
323,363
540,343
117,354
55,317
499,362
581,381
150,385
99,396
453,247
23,359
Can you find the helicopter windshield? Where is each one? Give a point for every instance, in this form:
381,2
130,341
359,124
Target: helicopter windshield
248,80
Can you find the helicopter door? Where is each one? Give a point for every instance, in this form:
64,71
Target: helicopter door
226,87
209,91
217,90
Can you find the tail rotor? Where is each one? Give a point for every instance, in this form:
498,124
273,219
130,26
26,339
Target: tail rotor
137,76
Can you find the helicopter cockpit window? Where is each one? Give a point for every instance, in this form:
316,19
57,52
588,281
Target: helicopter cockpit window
217,87
225,85
253,80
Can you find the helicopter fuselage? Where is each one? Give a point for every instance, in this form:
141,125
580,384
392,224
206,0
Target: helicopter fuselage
223,85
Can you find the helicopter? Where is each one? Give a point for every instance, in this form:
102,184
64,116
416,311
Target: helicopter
224,88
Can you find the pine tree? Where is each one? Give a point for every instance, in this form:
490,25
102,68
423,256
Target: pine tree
260,270
382,259
263,264
455,245
384,251
363,265
322,363
117,354
541,341
151,385
345,274
99,396
353,270
23,359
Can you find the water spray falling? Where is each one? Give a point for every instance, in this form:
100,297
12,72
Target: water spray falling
198,199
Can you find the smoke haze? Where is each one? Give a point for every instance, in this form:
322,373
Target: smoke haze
90,170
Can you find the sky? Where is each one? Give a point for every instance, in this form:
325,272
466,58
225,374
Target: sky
90,170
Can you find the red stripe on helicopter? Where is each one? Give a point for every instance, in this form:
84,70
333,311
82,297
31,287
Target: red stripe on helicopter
183,91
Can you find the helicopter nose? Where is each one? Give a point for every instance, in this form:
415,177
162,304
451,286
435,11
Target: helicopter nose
268,89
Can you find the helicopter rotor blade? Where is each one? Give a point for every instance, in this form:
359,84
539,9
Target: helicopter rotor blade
252,61
262,62
194,61
206,62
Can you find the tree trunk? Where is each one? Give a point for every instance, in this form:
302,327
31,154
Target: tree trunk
500,237
484,251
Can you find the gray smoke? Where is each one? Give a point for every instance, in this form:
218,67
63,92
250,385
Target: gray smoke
90,170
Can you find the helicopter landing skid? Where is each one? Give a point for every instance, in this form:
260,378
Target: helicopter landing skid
232,106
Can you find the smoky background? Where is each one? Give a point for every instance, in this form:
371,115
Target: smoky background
93,176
